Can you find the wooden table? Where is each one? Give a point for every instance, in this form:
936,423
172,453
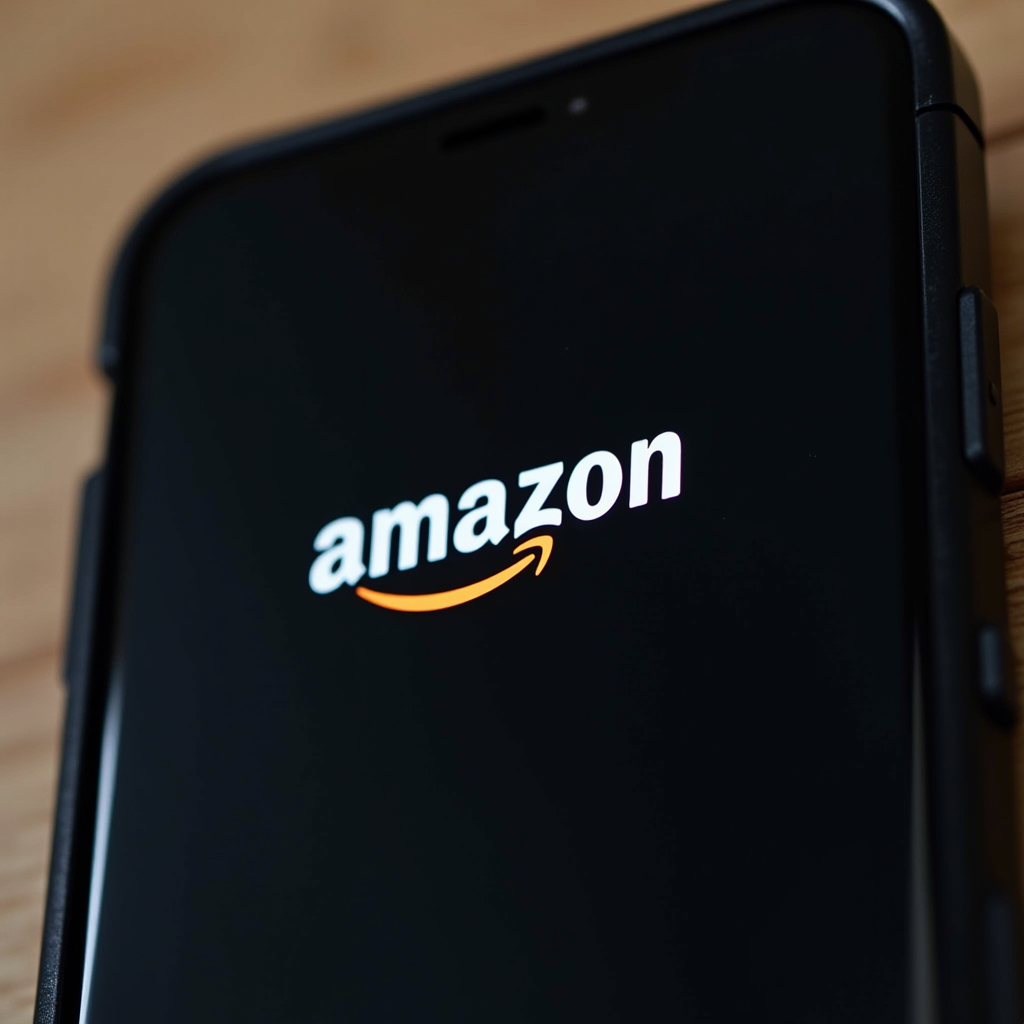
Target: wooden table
102,101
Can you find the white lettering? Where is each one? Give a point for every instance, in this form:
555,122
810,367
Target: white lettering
491,513
543,480
408,517
640,454
611,484
341,542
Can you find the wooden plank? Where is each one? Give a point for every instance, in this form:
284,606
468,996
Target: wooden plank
31,702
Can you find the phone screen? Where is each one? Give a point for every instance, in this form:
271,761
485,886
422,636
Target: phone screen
514,565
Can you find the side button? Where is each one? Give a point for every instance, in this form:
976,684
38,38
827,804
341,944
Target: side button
995,678
982,387
83,596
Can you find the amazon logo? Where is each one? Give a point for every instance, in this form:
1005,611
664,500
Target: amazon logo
341,544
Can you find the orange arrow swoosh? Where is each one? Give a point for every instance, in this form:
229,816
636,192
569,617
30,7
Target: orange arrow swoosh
450,598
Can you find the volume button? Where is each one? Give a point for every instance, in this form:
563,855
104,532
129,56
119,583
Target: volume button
981,387
83,594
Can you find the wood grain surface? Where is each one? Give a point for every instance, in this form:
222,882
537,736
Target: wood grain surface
100,103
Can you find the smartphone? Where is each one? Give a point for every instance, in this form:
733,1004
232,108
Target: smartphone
547,564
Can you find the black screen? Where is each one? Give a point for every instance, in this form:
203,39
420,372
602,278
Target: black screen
667,778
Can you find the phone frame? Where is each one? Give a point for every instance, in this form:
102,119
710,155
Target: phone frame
966,959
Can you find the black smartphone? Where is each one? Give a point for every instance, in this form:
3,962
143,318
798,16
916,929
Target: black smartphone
547,565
